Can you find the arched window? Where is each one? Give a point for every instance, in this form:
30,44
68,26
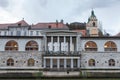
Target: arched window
93,24
31,62
11,45
10,62
110,46
111,62
90,46
31,46
91,62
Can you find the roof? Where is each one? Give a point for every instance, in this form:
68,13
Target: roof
52,25
77,26
22,23
118,34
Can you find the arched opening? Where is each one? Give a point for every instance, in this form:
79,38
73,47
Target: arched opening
111,62
90,46
93,24
31,62
31,46
11,46
110,46
91,62
10,62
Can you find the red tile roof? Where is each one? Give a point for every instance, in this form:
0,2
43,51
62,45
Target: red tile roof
82,31
118,34
53,25
22,23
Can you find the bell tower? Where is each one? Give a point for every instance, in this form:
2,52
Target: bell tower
92,25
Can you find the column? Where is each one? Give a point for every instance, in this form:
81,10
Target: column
78,63
45,39
58,40
44,63
64,63
58,63
71,43
64,43
60,44
51,63
52,42
64,39
71,62
77,43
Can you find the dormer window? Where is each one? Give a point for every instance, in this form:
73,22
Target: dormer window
19,24
49,26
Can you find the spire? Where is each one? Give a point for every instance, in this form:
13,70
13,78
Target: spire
92,13
92,16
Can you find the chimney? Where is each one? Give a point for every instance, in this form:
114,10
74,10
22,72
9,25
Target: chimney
57,23
62,21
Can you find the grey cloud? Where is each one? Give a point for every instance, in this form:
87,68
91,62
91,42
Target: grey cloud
89,4
103,3
4,3
43,2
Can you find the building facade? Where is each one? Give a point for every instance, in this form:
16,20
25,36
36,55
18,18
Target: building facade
53,48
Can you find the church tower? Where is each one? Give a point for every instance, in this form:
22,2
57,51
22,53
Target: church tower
92,25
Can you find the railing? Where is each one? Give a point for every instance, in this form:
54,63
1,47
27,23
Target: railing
61,69
48,53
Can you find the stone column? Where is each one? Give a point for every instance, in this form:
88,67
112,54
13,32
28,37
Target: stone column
77,43
71,62
64,43
58,40
51,62
78,63
71,43
52,42
44,63
45,44
58,63
65,63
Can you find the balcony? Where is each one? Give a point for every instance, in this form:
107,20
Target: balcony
62,53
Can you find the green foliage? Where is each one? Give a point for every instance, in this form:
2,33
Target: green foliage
39,74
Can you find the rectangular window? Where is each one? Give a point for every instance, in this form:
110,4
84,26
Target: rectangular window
18,33
5,33
37,33
31,33
11,33
25,33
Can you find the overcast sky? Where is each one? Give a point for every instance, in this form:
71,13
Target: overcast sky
34,11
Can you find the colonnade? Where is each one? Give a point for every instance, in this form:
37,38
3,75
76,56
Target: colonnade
61,62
